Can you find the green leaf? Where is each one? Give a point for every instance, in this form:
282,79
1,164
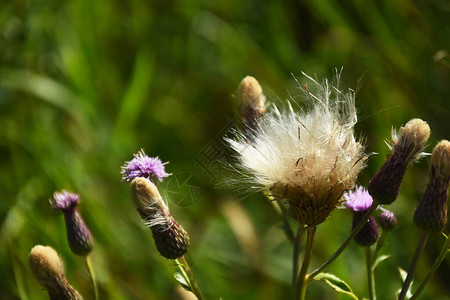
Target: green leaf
336,283
183,281
380,259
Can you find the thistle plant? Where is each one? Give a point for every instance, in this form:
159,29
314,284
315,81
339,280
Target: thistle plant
360,201
407,146
431,213
252,105
171,240
306,163
48,269
311,160
78,234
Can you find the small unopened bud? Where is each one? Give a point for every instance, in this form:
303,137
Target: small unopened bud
408,144
431,212
251,104
359,201
47,267
78,234
387,220
170,238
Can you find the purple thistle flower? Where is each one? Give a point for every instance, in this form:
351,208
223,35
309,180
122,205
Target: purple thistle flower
64,200
144,166
358,200
78,234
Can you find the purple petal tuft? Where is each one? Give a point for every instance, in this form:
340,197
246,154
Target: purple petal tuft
64,200
144,166
358,200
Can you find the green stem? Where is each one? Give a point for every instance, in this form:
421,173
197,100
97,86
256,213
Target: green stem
433,269
296,257
345,243
412,267
87,260
300,287
370,277
380,244
284,217
186,271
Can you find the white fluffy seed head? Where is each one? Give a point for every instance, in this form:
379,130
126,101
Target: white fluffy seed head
309,158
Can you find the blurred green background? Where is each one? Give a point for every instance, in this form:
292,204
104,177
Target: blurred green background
85,84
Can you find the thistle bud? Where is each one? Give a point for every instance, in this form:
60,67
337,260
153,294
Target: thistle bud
387,220
360,201
368,234
431,213
407,146
78,234
47,267
170,238
251,104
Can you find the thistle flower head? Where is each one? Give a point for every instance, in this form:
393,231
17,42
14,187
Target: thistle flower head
407,146
431,212
309,158
78,234
144,166
47,267
170,238
358,200
64,200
